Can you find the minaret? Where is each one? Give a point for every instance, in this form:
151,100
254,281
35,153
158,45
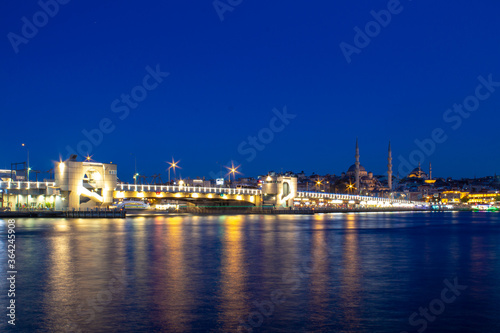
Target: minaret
389,166
357,166
430,171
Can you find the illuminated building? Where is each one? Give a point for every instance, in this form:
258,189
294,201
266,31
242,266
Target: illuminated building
87,184
279,190
452,197
483,198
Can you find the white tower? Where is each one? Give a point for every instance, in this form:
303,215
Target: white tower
357,166
430,170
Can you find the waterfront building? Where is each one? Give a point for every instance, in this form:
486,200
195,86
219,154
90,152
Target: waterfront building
279,190
483,198
85,184
7,175
452,197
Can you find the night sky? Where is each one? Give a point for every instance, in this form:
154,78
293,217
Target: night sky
225,78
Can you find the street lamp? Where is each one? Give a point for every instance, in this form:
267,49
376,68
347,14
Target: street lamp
27,175
233,170
318,184
28,162
135,168
350,187
173,165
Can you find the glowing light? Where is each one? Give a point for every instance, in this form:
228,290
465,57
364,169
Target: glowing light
62,227
233,170
173,165
195,195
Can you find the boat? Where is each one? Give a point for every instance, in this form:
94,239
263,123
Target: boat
133,205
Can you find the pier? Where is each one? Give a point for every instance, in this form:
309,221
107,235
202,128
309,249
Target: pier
89,213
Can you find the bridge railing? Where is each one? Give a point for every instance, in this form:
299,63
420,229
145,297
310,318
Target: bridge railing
337,196
19,185
226,190
185,189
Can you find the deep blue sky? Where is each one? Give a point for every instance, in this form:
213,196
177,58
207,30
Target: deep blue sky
227,76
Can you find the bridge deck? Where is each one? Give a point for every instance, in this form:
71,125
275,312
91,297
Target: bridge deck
20,185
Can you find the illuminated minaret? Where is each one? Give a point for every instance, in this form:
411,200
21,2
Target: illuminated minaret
430,170
389,168
357,166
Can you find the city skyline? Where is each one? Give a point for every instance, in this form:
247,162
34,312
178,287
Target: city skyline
201,95
357,142
229,170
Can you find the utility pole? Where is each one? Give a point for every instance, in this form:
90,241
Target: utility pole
135,168
28,162
27,176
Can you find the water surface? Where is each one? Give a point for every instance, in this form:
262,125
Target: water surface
362,272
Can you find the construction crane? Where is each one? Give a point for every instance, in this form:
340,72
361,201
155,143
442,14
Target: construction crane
156,179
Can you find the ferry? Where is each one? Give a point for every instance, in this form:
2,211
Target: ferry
133,205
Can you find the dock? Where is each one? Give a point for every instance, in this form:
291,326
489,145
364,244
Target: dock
89,213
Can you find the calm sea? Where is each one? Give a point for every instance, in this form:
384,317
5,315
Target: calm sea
361,272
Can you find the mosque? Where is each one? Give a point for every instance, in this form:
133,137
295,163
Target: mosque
420,174
365,180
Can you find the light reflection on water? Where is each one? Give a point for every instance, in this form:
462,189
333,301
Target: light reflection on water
336,272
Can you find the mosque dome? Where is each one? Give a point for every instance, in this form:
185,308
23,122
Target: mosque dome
352,171
417,173
352,168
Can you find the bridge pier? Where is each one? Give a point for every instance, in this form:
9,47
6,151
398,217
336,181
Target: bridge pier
94,180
